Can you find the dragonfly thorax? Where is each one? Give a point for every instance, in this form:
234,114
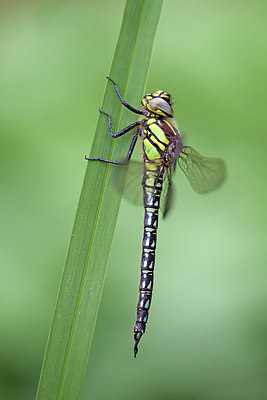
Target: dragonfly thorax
157,104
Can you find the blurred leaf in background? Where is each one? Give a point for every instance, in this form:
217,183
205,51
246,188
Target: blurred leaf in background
207,337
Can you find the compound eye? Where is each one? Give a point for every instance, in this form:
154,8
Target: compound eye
160,106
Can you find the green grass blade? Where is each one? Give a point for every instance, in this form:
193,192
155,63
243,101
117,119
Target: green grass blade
83,278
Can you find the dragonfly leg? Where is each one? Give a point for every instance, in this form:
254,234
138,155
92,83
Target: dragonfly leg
104,160
123,131
124,103
127,158
131,148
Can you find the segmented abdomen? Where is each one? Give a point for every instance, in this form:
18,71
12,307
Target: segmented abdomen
152,187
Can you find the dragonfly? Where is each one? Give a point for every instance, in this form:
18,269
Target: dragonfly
162,149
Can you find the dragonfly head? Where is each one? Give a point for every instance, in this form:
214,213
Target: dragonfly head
157,104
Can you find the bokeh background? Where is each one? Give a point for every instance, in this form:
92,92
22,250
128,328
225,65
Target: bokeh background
207,333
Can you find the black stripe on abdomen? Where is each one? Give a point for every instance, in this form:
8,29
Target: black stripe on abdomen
151,203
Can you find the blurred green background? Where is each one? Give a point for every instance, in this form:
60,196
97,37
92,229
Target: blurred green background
207,332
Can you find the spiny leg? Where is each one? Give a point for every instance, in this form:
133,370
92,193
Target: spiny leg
127,158
123,131
124,103
132,146
104,160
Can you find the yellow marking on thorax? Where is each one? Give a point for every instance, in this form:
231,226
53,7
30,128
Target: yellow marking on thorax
150,150
159,133
151,121
160,145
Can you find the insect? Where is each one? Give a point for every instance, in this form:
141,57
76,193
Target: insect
162,149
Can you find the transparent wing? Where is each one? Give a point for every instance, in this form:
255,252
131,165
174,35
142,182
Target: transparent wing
166,195
128,180
204,173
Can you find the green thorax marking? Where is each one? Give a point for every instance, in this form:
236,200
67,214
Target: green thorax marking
158,135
